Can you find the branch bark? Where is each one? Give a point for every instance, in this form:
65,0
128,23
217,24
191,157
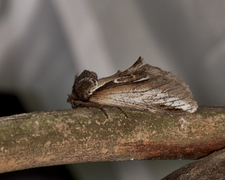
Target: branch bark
86,135
209,167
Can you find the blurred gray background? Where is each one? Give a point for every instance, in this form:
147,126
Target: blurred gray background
44,43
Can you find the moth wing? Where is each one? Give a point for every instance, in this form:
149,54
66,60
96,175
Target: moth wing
157,94
137,72
140,67
122,77
145,87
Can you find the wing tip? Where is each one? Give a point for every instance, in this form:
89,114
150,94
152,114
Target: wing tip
140,62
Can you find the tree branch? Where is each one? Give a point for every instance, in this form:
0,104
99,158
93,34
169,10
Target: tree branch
86,135
209,167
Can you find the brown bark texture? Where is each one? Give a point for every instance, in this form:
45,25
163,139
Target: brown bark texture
40,139
209,167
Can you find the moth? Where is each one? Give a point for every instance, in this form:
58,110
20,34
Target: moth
141,87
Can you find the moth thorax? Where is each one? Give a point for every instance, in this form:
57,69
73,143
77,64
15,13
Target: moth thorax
83,86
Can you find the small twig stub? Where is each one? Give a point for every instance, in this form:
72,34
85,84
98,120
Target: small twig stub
141,87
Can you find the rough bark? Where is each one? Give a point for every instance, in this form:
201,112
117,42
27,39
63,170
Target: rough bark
86,135
209,167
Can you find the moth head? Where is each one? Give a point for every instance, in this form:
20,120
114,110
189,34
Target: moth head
83,83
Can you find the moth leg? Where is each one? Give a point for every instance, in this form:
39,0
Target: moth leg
123,112
77,104
104,112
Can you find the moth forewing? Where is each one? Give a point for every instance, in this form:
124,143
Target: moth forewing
143,97
141,87
103,81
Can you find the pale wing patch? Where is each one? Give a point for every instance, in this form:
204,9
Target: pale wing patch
144,101
131,78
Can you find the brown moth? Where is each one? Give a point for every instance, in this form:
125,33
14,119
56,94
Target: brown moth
141,87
